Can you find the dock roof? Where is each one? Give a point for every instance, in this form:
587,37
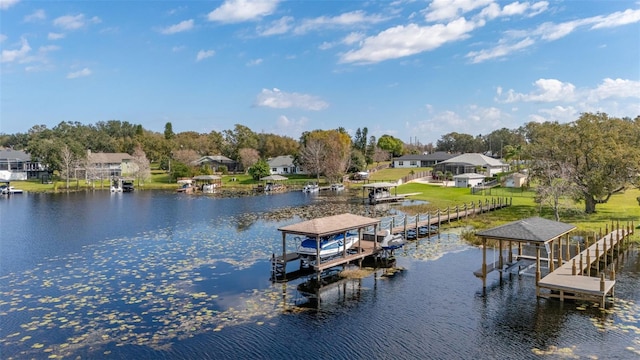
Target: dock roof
534,230
380,185
329,225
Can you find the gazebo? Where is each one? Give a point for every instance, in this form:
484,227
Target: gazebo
534,231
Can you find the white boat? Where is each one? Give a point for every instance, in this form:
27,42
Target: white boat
4,189
311,187
392,241
330,247
337,187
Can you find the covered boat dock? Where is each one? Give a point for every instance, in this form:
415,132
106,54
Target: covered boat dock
327,226
380,192
569,280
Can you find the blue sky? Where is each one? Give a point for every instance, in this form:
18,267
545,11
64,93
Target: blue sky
412,69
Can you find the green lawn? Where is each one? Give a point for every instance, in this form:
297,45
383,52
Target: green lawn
622,207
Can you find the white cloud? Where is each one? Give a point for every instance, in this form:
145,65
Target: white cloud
281,100
617,19
80,73
3,37
547,90
233,11
618,88
444,10
401,41
353,38
493,10
501,50
17,54
346,19
74,22
518,40
5,4
178,48
180,27
277,27
55,36
203,54
35,16
254,62
48,48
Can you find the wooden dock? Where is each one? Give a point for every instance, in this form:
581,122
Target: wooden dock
367,247
569,280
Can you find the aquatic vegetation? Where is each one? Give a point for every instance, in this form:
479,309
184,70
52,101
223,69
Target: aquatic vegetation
563,353
623,317
434,247
148,290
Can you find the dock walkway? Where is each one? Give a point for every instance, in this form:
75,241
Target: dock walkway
366,247
568,282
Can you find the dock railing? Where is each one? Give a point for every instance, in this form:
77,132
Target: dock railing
402,223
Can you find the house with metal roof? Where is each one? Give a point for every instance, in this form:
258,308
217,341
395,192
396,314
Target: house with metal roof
421,160
284,165
472,163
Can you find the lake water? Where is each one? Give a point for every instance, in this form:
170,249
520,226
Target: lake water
153,275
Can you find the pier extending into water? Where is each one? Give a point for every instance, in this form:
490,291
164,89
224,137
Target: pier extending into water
571,279
368,245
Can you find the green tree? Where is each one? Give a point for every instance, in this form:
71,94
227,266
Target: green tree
168,131
602,153
391,144
259,170
370,151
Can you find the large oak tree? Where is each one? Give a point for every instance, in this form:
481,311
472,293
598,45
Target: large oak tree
602,154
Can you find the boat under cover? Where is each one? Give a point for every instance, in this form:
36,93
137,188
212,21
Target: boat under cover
330,246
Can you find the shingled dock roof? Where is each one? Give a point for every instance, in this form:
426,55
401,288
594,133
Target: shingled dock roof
329,225
535,230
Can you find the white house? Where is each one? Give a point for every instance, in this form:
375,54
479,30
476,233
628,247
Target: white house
471,163
421,160
284,165
468,179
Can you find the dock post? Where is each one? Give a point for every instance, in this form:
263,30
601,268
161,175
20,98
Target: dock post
602,282
538,277
500,259
406,220
560,251
597,258
568,249
284,255
581,268
611,246
604,252
484,263
618,241
573,268
550,256
588,267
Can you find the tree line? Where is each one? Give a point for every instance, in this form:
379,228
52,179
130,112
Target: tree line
588,159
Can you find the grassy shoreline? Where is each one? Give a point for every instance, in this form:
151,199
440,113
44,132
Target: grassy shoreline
622,207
